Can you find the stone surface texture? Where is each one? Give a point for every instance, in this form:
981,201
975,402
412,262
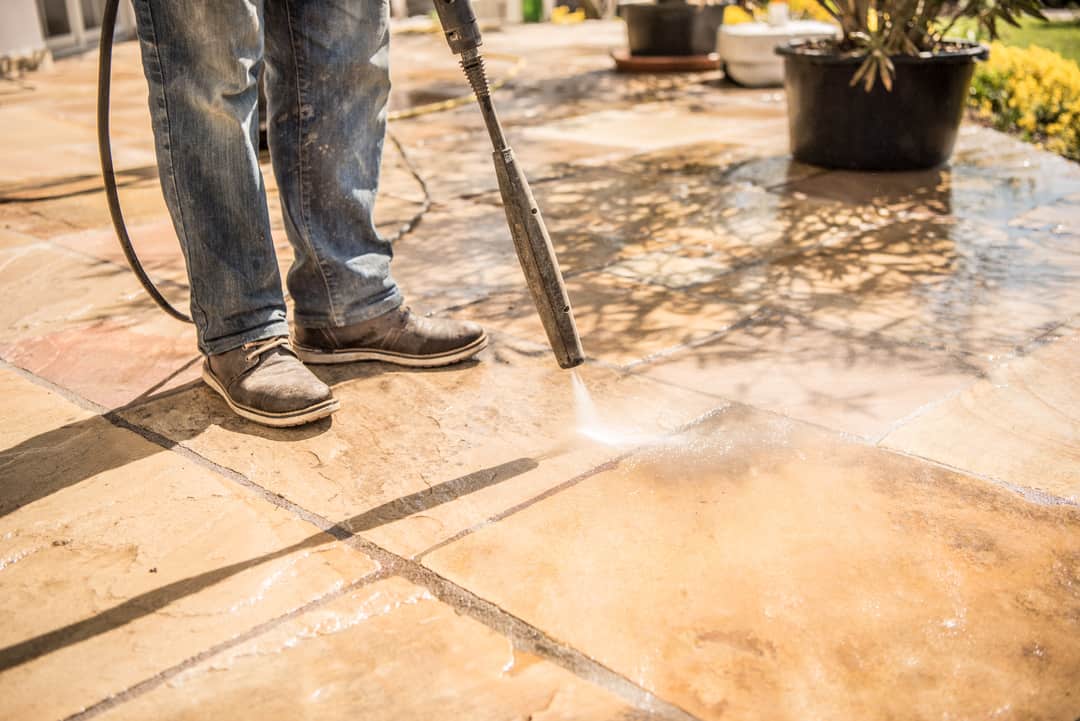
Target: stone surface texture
823,460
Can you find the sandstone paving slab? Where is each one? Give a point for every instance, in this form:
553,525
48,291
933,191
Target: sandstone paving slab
386,651
119,559
760,568
620,320
112,362
38,145
47,289
963,285
1021,425
858,384
414,457
155,243
651,126
460,252
80,207
463,166
12,238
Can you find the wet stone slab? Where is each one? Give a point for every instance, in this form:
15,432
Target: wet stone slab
1021,425
119,559
414,457
961,285
991,177
387,651
620,321
760,569
726,207
859,384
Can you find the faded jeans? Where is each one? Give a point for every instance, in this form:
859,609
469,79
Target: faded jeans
327,82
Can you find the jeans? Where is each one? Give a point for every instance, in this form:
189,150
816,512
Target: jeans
327,83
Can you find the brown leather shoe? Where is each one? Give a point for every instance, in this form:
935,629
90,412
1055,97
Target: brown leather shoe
266,383
400,337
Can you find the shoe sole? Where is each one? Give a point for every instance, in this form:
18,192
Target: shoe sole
267,418
322,357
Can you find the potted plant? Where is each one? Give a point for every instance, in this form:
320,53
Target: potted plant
888,93
673,28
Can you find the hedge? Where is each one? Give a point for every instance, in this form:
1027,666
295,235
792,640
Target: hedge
1032,92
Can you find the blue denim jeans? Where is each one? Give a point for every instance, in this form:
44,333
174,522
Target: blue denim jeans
327,83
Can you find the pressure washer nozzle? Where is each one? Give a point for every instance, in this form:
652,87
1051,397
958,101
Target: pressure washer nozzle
459,25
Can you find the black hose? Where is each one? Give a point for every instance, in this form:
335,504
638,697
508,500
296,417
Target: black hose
112,195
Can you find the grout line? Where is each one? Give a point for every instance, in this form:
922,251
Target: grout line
148,684
1029,494
521,633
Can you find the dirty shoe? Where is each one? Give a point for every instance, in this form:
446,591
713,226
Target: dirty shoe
400,337
264,382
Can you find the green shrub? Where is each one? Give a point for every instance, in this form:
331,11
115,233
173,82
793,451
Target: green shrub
1033,92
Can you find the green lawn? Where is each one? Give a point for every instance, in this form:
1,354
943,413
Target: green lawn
1062,36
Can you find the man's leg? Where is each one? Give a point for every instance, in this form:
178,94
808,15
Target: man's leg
202,61
328,83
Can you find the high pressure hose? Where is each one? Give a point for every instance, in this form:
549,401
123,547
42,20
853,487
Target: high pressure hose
112,195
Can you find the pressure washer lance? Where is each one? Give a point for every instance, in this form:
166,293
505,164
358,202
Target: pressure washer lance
530,235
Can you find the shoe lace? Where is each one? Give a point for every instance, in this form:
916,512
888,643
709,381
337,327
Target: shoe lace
257,348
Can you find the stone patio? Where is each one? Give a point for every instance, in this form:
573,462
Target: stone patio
838,474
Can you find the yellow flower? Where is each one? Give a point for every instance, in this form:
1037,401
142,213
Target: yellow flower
1033,91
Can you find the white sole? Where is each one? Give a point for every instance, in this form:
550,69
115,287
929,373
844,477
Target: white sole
274,420
321,357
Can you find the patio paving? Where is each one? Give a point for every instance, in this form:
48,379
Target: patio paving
823,461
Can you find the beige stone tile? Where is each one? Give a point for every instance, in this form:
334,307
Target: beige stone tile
620,321
37,145
112,362
457,254
48,289
463,166
649,126
761,569
414,457
140,199
119,559
155,243
854,383
387,651
11,238
1021,425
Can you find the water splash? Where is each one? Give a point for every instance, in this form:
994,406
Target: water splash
592,425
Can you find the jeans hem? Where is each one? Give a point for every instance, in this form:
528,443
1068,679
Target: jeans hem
271,329
392,301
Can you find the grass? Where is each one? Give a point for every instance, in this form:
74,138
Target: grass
1061,36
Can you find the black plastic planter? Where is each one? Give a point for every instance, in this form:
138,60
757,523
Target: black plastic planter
837,125
672,28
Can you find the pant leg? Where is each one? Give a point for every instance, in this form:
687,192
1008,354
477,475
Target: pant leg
327,83
202,59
